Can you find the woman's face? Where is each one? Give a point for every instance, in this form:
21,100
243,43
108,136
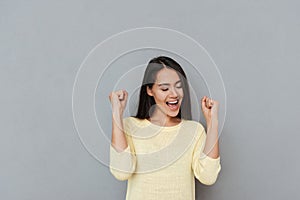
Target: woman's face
167,92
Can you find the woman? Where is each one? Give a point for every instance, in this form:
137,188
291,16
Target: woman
160,150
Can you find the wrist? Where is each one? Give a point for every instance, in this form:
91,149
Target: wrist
117,112
211,122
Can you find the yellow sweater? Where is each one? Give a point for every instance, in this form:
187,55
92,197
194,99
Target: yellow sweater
161,162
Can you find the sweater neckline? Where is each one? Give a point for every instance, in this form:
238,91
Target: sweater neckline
163,127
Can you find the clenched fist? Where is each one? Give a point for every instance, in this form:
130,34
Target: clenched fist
118,100
209,108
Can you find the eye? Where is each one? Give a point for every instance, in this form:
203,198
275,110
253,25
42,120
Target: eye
164,89
179,85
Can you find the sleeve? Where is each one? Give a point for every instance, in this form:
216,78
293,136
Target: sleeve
205,168
122,164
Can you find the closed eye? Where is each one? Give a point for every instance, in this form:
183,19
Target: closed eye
179,85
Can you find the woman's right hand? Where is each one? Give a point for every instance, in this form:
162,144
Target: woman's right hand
118,100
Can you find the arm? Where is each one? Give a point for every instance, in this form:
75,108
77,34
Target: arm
206,159
212,142
210,111
118,139
205,168
122,157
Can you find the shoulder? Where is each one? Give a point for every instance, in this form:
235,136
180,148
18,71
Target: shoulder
194,123
132,121
195,126
128,121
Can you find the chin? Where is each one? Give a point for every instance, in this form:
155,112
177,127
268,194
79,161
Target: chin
172,113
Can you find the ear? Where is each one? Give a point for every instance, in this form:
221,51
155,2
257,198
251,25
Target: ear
149,91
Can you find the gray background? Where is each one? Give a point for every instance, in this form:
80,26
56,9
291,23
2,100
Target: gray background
42,44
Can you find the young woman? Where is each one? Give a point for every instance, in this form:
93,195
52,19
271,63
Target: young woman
160,150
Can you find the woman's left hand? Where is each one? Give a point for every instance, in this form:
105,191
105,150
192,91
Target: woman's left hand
210,109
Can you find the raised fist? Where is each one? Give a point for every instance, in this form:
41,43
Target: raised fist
210,108
118,100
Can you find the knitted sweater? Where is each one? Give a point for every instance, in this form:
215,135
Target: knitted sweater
161,162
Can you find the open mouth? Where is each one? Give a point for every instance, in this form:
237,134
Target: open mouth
172,102
173,105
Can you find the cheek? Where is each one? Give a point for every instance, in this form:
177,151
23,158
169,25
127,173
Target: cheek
160,97
180,92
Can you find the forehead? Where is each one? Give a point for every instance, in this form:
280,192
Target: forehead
167,75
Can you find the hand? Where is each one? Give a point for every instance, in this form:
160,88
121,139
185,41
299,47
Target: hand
118,100
210,109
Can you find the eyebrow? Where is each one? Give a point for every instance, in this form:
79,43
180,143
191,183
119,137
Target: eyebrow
167,84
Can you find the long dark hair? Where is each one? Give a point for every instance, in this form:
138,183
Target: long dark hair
146,101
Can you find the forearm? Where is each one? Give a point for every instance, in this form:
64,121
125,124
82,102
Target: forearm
212,143
118,138
122,163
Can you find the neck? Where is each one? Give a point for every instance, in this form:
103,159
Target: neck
161,119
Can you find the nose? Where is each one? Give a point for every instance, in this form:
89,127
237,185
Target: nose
173,92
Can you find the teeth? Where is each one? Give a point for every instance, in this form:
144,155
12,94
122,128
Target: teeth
173,102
